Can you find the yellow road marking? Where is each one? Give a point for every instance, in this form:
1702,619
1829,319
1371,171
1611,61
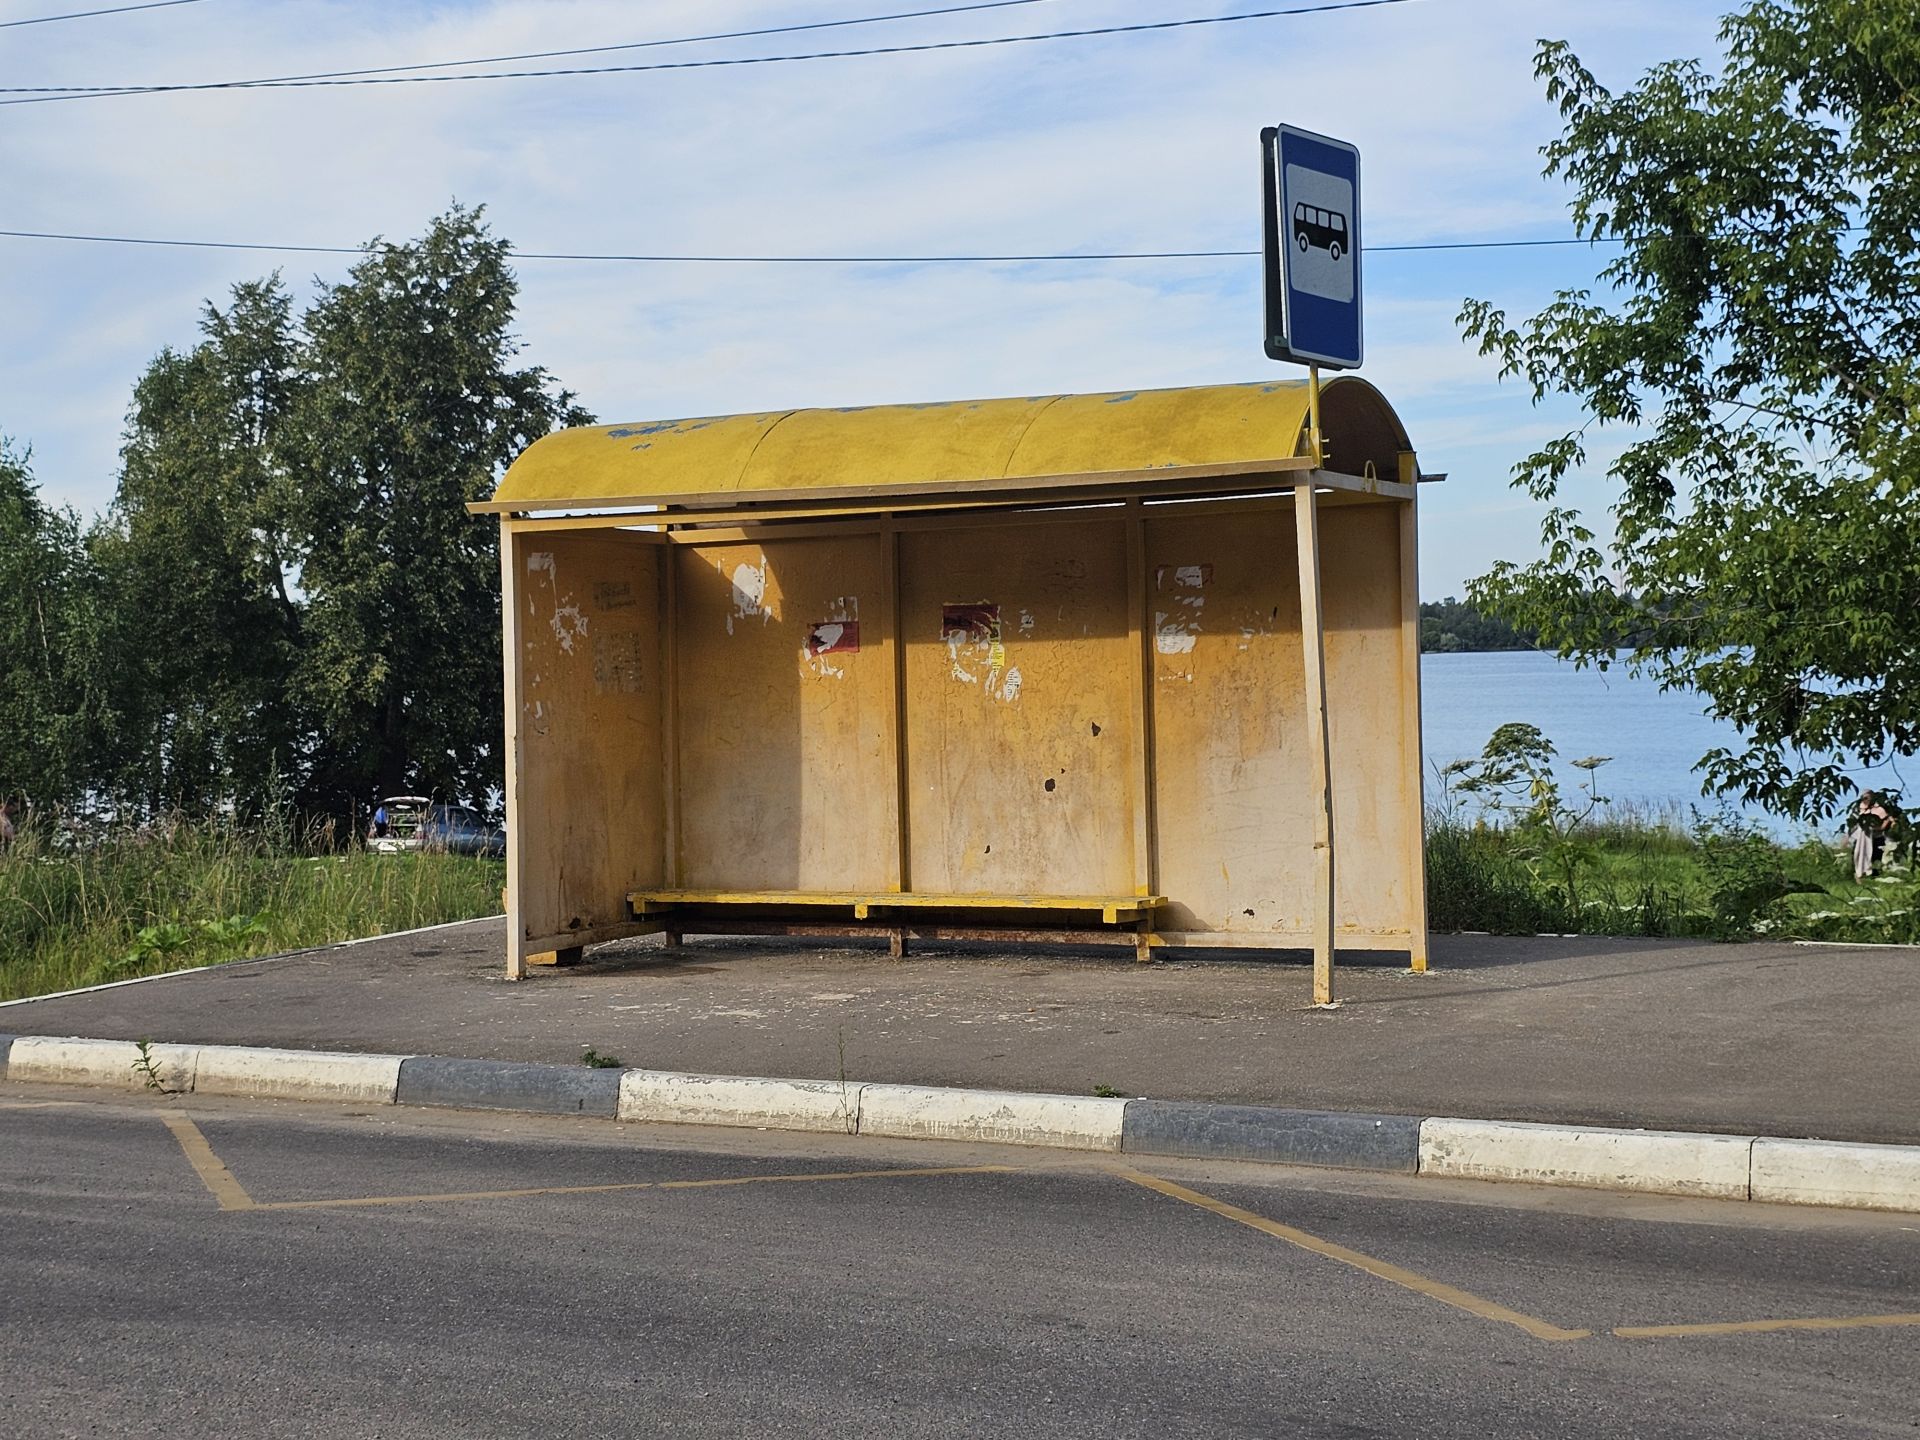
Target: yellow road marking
1408,1279
1754,1327
207,1165
358,1201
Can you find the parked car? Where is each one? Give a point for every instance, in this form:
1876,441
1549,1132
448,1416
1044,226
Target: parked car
415,822
462,831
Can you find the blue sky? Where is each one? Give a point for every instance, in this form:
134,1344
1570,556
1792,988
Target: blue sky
1113,143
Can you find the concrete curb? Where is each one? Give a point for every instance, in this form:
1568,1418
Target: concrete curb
1666,1162
1730,1167
1000,1117
507,1085
665,1097
1336,1139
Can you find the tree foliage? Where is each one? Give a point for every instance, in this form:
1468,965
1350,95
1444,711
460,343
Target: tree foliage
196,557
49,705
290,600
1758,341
410,409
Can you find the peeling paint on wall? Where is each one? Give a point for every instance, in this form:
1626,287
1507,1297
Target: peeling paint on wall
970,630
1176,628
1182,577
569,624
1173,634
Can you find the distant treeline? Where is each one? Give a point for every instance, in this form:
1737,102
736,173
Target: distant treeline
1451,625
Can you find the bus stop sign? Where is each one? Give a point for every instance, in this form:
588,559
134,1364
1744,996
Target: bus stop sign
1311,210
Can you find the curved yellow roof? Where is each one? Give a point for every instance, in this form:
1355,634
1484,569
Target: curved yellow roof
898,450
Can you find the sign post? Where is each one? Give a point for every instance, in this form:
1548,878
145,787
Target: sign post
1310,208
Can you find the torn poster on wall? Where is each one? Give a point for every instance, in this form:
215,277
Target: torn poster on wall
973,624
834,637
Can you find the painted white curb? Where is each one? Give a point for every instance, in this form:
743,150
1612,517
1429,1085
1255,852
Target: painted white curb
1001,1117
65,1060
667,1097
297,1074
1666,1162
1827,1172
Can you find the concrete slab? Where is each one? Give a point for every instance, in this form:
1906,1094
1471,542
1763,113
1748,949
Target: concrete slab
676,1099
1278,1137
925,1112
1663,1162
297,1074
508,1085
64,1060
1816,1172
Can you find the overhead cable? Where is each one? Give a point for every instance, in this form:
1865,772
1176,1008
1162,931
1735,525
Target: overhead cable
90,14
558,54
665,258
43,95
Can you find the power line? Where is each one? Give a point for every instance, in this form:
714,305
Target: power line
557,54
41,95
1057,257
89,14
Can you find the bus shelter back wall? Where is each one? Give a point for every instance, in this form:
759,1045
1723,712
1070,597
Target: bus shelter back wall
1088,704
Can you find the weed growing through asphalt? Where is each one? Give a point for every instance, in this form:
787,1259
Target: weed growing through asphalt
1107,1092
594,1060
849,1116
148,1067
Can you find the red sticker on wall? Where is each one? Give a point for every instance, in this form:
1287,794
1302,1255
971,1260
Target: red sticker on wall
834,637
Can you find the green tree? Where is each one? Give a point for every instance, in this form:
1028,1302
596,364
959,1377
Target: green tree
197,558
1758,340
49,706
411,409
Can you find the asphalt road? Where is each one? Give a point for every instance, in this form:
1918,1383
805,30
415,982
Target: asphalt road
196,1268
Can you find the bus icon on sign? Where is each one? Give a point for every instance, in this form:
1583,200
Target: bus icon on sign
1314,228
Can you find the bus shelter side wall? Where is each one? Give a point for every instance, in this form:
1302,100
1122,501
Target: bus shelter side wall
586,690
1234,774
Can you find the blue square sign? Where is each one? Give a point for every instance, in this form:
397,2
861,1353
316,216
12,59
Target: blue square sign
1311,210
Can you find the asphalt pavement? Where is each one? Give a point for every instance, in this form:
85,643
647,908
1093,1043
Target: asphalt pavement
203,1268
1773,1039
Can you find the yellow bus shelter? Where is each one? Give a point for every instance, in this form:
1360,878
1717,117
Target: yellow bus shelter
1139,666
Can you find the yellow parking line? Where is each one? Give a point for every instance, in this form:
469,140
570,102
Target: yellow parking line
841,1175
1395,1274
1755,1327
358,1201
207,1165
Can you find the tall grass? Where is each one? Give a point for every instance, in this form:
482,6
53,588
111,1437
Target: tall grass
78,909
1718,879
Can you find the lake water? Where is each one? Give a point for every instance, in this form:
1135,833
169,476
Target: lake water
1655,737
